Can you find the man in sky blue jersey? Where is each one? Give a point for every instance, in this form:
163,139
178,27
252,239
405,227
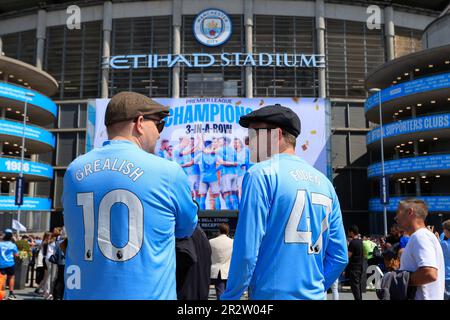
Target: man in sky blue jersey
207,160
163,149
123,208
243,159
178,149
185,154
226,158
290,241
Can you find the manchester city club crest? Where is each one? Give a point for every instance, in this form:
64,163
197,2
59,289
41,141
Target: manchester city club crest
212,27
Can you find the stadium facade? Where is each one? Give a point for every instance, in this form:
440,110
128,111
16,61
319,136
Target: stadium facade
415,113
338,31
25,111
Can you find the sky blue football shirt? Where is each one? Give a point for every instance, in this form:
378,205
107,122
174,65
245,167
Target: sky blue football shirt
123,208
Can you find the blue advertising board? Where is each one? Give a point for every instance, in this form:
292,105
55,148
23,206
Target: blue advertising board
20,187
435,203
434,122
416,164
32,204
13,92
12,165
31,132
425,84
384,190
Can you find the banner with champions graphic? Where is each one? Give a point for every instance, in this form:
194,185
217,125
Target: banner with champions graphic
203,135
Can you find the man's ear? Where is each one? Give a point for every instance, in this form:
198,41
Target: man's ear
410,211
140,125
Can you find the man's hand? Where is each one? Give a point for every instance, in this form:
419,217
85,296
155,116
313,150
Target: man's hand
422,276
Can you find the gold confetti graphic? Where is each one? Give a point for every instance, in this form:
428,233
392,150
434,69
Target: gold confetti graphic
296,99
261,103
317,107
238,103
313,132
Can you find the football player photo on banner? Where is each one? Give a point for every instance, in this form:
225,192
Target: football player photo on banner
204,137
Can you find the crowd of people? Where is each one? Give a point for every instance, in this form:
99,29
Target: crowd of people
412,250
45,256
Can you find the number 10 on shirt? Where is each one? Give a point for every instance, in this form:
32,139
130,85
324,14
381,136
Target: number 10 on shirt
135,224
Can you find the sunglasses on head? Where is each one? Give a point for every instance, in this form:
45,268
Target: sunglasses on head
158,122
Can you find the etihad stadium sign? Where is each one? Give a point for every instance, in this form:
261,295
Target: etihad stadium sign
205,60
213,28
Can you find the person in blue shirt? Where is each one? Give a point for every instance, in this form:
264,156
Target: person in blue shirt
403,241
185,153
163,149
207,161
227,159
445,244
170,153
178,150
123,208
247,151
243,159
8,250
191,168
290,241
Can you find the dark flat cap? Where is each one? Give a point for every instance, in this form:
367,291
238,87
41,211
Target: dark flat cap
129,105
277,115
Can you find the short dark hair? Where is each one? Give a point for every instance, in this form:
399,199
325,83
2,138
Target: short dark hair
392,252
354,229
224,228
8,236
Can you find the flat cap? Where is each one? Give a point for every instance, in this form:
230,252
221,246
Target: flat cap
129,105
277,115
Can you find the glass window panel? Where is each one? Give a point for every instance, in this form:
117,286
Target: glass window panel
339,116
59,181
147,35
357,116
73,57
21,46
68,116
341,182
81,143
67,146
352,52
273,34
358,148
82,116
339,150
